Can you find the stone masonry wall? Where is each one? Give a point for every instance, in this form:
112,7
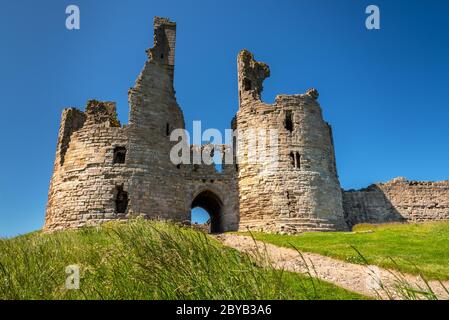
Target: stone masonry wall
396,201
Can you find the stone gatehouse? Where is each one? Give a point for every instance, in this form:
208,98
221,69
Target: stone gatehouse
107,171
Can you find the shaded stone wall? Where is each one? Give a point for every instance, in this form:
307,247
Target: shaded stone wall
300,191
396,201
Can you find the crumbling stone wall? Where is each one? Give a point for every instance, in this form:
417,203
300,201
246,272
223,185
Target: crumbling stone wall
397,201
300,191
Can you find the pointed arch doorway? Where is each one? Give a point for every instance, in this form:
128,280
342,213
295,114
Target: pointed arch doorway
210,202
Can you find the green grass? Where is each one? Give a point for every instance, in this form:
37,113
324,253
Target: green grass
144,260
414,248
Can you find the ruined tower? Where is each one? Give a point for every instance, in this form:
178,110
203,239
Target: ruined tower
156,187
294,187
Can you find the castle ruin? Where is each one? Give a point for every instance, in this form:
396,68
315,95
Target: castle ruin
104,171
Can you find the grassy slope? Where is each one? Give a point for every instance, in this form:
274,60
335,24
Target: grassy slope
415,248
144,260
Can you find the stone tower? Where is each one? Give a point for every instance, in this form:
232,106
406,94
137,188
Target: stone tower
295,186
156,186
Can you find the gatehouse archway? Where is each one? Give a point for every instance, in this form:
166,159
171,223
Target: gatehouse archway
211,203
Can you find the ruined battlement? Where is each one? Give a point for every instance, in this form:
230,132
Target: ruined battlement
251,75
101,112
163,51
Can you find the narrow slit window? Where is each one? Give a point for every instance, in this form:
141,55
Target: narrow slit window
167,129
298,160
292,159
119,155
289,121
295,159
121,200
247,84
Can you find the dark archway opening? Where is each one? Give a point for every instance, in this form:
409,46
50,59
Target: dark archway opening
121,200
210,202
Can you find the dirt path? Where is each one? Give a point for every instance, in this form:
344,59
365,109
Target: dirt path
353,277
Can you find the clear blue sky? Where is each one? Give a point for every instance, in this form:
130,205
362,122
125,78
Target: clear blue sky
384,92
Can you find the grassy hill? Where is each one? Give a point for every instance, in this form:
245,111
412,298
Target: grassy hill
144,260
414,248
